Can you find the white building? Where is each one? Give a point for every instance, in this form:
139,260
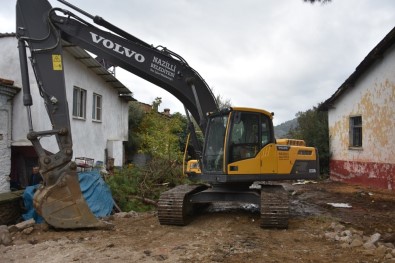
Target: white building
99,114
361,117
7,93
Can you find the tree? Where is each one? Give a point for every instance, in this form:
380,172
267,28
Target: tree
320,1
183,131
160,134
156,103
223,103
313,129
136,115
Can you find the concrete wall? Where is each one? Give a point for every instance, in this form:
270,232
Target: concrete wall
5,149
372,97
5,139
89,137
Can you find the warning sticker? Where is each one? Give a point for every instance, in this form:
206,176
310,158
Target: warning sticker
57,62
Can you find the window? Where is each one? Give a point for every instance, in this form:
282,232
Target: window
356,131
265,130
97,107
79,103
250,132
214,153
244,141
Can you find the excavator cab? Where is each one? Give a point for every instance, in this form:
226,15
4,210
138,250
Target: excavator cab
241,158
240,147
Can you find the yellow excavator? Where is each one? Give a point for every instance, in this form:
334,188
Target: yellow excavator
239,146
240,150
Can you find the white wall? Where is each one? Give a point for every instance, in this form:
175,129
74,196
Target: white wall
89,138
10,69
5,149
373,97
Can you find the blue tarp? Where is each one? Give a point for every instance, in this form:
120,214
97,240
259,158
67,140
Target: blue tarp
28,201
96,192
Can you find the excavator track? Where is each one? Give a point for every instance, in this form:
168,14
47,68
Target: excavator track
274,207
174,207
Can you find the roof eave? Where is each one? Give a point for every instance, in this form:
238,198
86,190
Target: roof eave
376,54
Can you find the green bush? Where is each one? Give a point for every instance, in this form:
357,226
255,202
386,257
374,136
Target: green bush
134,188
313,128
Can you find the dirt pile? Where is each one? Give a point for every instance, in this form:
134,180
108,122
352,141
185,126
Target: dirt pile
317,232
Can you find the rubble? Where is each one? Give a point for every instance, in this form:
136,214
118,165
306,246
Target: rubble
25,224
351,238
373,239
6,232
340,205
356,243
126,214
28,230
5,237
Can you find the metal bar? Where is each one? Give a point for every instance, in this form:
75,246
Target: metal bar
27,97
29,118
198,105
195,141
77,9
102,22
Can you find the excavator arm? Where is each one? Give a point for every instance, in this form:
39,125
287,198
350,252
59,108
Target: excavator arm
44,30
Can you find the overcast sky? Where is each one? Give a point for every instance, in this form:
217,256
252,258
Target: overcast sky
283,56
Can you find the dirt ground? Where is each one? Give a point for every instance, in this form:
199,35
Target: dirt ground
230,234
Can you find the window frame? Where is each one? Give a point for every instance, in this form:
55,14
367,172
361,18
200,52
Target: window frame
79,103
356,132
97,110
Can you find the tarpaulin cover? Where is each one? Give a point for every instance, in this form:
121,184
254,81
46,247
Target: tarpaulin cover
28,201
95,191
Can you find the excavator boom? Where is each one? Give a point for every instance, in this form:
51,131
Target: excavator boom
44,30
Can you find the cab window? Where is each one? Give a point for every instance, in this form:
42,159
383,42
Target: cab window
245,136
250,132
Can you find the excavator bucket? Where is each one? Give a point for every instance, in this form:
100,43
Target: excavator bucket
62,204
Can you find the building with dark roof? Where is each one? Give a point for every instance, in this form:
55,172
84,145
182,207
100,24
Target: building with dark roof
361,119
